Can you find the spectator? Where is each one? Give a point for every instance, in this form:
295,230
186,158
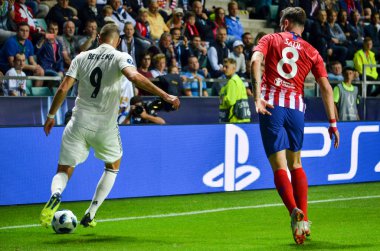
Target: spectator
156,21
6,17
107,13
176,21
133,6
89,41
20,44
70,43
220,20
217,52
200,52
24,14
166,47
247,39
142,24
372,4
135,46
120,16
16,87
348,30
335,73
339,41
194,82
159,65
367,14
181,48
203,24
234,106
346,97
364,57
320,38
61,12
238,55
144,70
372,30
190,28
234,26
50,54
91,12
145,62
358,27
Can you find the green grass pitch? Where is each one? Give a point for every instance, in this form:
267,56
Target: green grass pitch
345,217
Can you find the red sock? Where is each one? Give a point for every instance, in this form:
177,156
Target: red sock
284,189
299,183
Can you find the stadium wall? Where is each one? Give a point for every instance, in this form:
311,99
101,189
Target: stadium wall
183,159
32,110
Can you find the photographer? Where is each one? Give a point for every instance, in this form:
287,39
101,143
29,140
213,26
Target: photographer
144,113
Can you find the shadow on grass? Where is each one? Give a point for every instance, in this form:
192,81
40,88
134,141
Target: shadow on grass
324,245
69,240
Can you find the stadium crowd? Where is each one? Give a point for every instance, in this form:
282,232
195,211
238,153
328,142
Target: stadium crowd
178,37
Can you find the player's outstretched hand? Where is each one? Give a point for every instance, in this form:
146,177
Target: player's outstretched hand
49,123
334,131
261,107
172,100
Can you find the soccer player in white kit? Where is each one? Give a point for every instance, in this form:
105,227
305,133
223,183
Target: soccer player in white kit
94,119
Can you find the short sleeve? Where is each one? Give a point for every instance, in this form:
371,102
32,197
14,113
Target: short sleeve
263,44
318,69
73,70
126,61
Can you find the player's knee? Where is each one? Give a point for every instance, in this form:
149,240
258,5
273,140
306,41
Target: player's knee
65,169
113,166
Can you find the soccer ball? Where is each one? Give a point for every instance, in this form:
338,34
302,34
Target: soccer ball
64,222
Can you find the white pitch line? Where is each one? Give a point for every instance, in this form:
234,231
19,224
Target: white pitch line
222,209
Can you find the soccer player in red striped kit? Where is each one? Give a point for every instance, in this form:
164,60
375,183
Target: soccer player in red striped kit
279,101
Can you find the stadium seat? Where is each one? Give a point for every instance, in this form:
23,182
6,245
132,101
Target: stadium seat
29,86
40,22
41,91
273,12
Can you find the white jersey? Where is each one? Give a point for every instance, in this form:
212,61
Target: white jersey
99,74
15,84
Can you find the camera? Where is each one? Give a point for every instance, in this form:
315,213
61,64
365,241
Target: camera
151,107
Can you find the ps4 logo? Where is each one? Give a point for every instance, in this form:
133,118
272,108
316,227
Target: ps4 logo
234,174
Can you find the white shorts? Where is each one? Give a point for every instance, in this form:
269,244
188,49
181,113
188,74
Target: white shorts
76,143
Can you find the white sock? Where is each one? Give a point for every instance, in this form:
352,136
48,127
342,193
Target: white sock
102,190
59,182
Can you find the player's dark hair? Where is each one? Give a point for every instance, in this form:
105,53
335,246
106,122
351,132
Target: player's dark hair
294,14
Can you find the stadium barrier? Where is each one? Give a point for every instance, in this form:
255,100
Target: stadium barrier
187,159
25,111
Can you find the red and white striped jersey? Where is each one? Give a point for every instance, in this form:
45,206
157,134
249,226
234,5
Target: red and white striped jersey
288,60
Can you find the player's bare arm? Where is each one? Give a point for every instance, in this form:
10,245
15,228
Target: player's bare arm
328,102
142,82
256,61
59,97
